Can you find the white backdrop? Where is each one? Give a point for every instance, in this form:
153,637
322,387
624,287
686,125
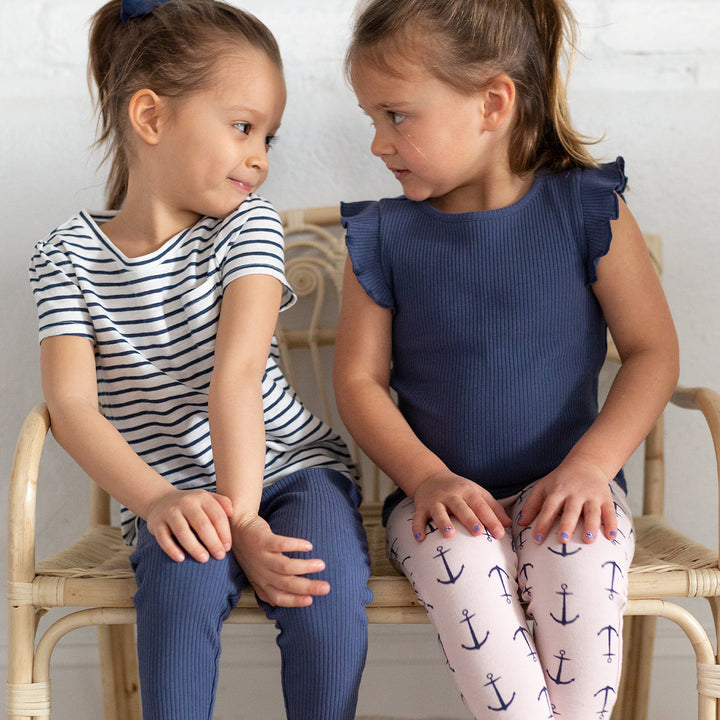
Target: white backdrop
647,82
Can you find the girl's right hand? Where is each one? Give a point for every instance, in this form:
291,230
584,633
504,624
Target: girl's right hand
445,495
195,521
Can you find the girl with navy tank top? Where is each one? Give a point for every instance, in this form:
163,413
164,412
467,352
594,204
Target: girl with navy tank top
480,299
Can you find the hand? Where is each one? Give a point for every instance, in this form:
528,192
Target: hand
575,489
274,576
193,520
442,495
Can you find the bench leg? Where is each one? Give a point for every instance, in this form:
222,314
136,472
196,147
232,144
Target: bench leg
119,671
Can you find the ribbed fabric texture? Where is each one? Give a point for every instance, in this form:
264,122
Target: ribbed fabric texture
323,647
497,336
153,322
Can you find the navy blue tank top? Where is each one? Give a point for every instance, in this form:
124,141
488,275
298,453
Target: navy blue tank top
497,337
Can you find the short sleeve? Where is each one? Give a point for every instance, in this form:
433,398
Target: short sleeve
256,245
599,190
61,306
362,222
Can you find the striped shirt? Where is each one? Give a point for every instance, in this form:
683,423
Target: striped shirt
153,320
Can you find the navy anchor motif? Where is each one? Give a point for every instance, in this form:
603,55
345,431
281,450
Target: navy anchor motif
504,705
500,572
563,620
524,573
609,629
452,579
615,568
476,645
605,693
561,657
564,551
525,633
547,700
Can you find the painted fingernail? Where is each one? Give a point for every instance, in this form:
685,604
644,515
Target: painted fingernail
476,528
418,535
538,538
564,535
613,533
589,535
448,528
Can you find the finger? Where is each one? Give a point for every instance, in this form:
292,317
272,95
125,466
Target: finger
609,520
225,503
282,544
492,514
466,515
164,539
442,521
545,519
591,522
285,566
188,540
419,525
568,521
205,529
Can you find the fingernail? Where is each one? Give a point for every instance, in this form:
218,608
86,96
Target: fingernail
538,538
613,533
448,528
418,535
564,535
476,528
589,535
228,546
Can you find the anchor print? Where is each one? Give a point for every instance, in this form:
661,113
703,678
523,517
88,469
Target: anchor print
430,528
488,536
547,700
618,511
557,679
521,538
504,705
527,590
476,645
615,568
609,629
616,540
500,572
392,550
452,579
564,552
605,692
525,633
564,621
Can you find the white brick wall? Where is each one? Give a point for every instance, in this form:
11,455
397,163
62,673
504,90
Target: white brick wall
648,82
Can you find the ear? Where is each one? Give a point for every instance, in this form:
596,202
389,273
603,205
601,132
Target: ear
499,102
146,111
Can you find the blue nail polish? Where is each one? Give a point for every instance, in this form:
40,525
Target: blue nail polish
448,528
476,528
418,535
589,535
538,538
564,535
613,533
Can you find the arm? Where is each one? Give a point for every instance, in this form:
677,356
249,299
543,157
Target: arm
639,319
361,377
70,390
237,428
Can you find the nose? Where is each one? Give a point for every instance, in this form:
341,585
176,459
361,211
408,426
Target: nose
258,156
380,144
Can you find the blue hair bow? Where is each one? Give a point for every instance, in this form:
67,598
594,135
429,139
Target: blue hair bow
137,8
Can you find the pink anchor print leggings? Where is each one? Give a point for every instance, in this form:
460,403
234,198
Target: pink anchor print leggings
566,664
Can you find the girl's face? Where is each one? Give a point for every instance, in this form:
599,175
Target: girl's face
213,150
428,134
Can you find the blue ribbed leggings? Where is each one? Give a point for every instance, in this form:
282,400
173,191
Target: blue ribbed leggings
181,607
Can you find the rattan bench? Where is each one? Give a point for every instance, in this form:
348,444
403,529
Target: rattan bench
94,573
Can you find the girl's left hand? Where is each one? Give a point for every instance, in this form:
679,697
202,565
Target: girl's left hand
573,490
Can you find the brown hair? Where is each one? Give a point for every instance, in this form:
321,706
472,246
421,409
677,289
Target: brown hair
171,50
475,41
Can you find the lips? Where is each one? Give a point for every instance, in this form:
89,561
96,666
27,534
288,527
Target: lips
399,174
241,185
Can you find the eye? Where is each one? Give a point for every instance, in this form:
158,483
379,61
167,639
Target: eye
243,127
396,117
270,141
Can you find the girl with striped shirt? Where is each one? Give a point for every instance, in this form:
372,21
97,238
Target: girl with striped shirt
161,313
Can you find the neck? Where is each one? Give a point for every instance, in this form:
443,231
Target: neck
499,189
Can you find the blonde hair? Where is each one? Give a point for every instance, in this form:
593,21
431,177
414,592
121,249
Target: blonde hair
475,41
171,50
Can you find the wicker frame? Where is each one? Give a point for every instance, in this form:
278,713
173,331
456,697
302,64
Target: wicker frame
94,573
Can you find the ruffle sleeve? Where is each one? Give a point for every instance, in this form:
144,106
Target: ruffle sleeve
599,190
362,222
